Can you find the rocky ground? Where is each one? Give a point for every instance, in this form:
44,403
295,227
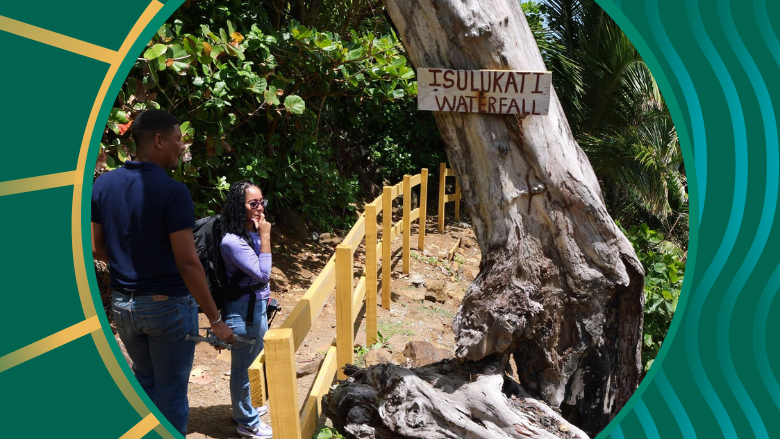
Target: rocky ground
415,331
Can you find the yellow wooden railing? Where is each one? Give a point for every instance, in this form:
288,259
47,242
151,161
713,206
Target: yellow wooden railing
446,198
277,361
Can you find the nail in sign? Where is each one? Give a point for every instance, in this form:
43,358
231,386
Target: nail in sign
483,91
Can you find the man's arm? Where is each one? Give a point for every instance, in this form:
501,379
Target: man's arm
98,246
192,271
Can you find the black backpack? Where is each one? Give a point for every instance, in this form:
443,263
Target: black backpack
208,236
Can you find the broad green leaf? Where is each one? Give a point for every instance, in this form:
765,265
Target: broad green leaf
177,51
155,51
406,73
161,63
257,85
322,44
673,274
117,116
208,33
232,50
294,104
185,128
180,67
191,44
391,70
270,97
354,54
216,50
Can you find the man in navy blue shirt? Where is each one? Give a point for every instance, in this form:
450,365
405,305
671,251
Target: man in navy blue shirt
142,224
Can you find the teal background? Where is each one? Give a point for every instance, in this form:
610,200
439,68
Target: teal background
716,62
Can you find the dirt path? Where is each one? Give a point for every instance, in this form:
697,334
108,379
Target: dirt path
411,317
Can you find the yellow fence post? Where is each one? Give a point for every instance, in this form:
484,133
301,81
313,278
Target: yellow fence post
407,223
371,329
345,335
423,205
442,180
457,198
282,384
387,244
257,388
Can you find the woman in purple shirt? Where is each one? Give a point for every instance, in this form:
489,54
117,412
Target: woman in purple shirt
246,249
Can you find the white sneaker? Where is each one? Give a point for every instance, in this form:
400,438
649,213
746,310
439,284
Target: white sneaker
262,431
262,410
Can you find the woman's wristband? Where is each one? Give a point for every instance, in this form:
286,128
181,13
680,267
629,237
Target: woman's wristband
216,321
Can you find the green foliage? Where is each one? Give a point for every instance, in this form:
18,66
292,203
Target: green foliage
664,266
327,433
362,351
301,112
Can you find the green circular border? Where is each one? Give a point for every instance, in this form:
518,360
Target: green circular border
714,376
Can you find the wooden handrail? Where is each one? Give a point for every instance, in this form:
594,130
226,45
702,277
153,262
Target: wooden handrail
446,198
338,275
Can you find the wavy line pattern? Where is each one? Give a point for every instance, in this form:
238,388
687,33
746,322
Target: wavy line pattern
646,420
717,67
765,224
732,228
678,411
773,285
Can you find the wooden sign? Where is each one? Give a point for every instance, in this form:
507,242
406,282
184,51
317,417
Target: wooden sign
483,91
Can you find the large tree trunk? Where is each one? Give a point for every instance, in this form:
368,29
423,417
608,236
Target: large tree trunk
560,287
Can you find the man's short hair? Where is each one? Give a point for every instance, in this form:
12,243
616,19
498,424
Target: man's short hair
150,123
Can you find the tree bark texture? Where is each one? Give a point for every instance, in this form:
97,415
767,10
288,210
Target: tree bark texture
560,287
445,400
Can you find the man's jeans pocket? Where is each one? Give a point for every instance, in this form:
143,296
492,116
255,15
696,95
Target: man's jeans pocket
166,326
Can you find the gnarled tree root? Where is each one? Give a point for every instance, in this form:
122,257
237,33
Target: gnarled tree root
448,399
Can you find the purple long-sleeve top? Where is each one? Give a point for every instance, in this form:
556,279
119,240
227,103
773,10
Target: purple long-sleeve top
238,255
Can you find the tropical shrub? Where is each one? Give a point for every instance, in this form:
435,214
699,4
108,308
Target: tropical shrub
302,112
664,265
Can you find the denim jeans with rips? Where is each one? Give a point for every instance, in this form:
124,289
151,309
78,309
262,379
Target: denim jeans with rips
242,355
153,330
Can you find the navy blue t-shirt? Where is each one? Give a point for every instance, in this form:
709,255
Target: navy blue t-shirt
138,206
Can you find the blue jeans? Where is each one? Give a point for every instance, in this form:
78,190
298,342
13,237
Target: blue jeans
243,355
153,332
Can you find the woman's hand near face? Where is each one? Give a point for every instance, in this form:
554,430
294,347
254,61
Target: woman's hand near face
262,226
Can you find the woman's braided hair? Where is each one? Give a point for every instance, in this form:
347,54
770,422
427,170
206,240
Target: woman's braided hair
234,210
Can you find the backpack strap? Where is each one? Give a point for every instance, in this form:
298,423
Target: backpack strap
250,311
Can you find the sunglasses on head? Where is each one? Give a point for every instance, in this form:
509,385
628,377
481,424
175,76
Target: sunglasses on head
254,204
